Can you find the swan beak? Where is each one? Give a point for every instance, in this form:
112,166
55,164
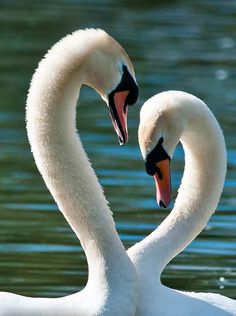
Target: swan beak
118,113
163,183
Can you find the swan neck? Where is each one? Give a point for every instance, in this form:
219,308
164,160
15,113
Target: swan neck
198,195
65,168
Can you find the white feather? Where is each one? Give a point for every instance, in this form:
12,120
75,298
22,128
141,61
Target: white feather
91,57
175,115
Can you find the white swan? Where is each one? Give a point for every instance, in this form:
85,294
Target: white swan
164,120
89,57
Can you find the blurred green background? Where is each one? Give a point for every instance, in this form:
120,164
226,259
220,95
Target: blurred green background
185,45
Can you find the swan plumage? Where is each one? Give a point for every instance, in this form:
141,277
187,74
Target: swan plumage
94,58
166,119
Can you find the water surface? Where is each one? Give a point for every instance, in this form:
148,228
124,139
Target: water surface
184,45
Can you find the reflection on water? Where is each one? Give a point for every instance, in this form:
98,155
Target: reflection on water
185,45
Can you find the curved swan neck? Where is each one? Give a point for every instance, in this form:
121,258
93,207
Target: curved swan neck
59,156
198,195
51,127
201,187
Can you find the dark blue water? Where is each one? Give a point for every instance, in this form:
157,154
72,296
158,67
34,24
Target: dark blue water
186,45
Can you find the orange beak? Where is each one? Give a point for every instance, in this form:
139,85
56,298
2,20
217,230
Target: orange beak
119,119
163,183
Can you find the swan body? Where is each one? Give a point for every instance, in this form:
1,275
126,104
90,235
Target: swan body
94,58
165,119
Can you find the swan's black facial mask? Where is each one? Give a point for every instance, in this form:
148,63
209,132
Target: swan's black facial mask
158,165
126,93
156,155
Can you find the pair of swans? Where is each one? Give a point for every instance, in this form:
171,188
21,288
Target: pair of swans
120,282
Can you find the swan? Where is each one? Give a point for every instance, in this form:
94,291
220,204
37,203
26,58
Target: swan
165,119
94,58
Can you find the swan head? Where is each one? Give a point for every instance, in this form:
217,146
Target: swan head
161,126
110,72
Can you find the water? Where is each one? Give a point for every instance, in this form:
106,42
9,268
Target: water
185,45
